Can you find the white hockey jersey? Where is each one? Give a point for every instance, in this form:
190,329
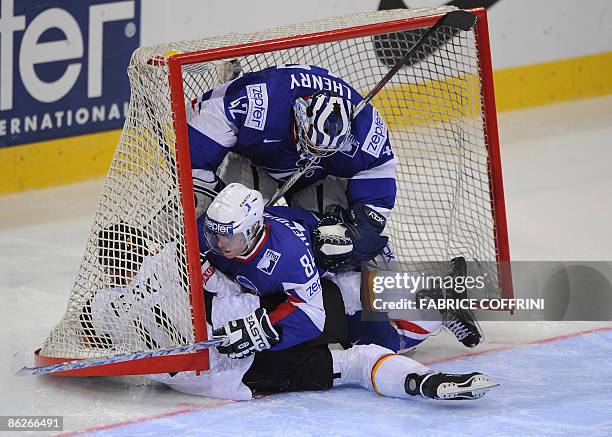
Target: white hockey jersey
153,311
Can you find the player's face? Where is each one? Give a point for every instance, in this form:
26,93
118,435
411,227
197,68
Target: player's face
119,276
231,245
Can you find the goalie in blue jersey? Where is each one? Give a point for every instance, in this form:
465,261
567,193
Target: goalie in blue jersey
277,119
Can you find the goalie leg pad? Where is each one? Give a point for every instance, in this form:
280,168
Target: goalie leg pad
349,284
206,185
236,168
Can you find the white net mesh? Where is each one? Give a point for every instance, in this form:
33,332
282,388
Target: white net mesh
432,107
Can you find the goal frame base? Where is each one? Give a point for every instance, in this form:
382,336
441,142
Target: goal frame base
197,361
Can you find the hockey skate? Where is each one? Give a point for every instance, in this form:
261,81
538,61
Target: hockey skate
460,322
445,386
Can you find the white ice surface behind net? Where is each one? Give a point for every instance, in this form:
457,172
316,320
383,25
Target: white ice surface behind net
557,180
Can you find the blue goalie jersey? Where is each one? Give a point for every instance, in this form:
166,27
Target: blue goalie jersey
253,115
282,261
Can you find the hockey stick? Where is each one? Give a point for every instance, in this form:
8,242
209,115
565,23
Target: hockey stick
461,20
82,364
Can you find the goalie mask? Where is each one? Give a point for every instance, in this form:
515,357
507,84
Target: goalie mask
233,220
322,123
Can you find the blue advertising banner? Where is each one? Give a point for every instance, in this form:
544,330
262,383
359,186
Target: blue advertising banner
63,67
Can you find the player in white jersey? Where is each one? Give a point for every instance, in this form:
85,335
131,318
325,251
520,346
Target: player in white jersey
313,366
145,297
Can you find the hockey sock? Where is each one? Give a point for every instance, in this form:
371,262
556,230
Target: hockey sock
374,368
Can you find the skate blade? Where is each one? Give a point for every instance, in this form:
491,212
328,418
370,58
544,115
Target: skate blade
474,388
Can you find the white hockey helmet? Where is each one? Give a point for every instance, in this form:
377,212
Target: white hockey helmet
234,219
322,122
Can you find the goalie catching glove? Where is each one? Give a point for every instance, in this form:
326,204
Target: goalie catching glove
253,333
344,238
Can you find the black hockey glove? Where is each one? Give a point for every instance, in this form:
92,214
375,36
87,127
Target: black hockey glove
332,240
346,238
248,335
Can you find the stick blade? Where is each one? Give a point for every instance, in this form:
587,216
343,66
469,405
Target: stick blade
463,20
24,371
19,362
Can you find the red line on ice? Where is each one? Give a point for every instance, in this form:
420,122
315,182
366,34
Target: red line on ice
143,419
513,346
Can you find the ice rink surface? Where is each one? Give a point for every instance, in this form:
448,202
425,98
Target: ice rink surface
556,377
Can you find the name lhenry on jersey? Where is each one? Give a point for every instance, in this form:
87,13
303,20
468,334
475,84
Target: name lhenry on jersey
258,106
308,80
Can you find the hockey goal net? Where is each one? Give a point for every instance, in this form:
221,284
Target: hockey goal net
441,117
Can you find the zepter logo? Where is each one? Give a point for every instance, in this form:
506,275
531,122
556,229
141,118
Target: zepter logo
219,228
57,77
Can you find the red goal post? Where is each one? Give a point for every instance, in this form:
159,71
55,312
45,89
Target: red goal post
158,121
